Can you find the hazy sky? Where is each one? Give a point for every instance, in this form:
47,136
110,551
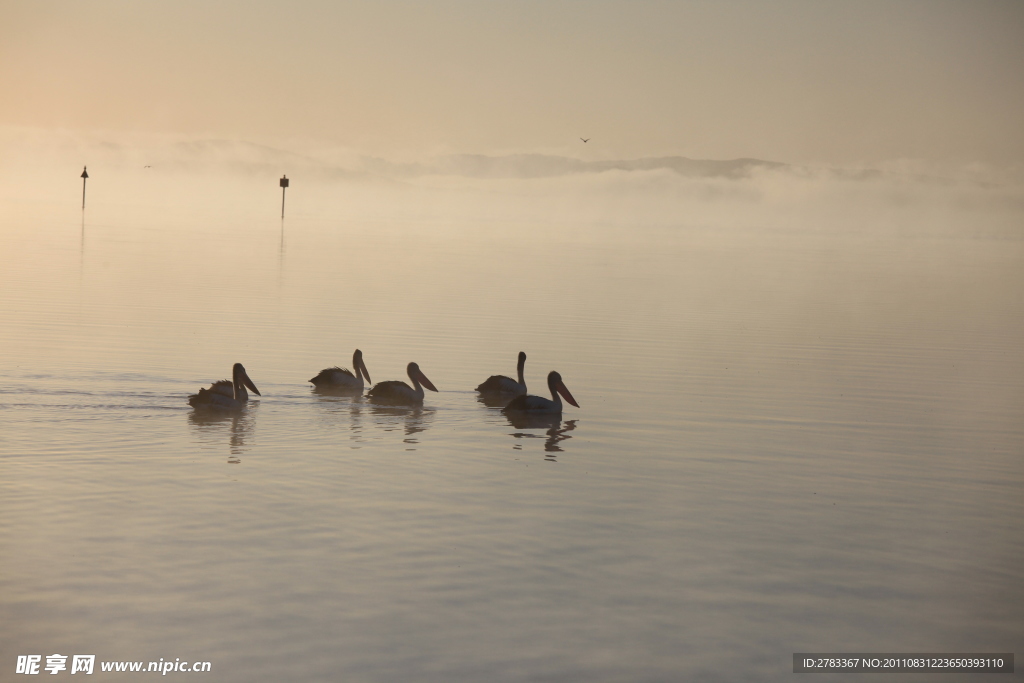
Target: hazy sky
821,81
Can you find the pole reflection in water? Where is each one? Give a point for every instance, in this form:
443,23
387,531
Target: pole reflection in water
280,258
81,252
210,426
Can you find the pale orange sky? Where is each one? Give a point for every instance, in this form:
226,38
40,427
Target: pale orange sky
836,82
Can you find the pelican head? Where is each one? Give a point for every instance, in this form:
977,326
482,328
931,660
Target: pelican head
239,378
360,367
418,378
555,384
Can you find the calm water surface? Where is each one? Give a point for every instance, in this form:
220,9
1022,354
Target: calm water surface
791,438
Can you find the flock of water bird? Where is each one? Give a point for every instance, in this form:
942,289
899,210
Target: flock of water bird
232,395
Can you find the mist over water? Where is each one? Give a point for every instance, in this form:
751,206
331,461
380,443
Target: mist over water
799,430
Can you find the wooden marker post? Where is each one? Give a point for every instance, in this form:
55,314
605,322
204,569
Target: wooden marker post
85,176
284,186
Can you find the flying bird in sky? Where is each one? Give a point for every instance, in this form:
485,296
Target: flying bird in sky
585,139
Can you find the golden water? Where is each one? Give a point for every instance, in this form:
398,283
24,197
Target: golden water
799,431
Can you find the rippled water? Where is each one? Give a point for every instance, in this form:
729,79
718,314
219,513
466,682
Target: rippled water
794,435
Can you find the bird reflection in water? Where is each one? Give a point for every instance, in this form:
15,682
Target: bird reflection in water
557,431
412,420
337,403
337,391
210,427
494,400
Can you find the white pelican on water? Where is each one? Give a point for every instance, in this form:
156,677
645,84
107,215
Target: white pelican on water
226,395
394,392
500,384
536,405
342,379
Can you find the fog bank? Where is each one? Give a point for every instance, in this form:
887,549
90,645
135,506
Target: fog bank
238,179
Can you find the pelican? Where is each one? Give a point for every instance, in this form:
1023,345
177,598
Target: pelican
226,395
399,393
342,379
500,384
537,405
